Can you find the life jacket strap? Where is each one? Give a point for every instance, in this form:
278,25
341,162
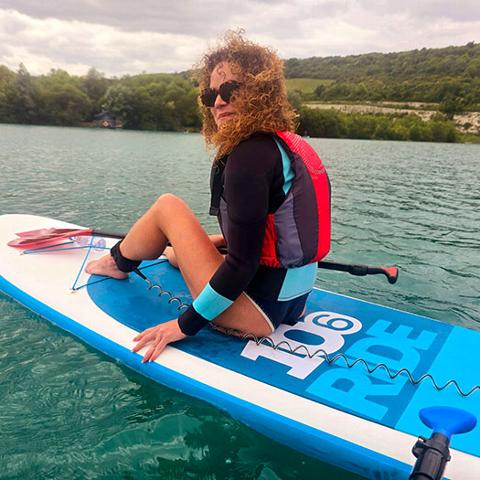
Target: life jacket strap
216,186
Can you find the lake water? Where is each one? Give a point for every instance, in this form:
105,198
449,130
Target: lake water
68,411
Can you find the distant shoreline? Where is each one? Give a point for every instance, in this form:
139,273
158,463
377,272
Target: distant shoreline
466,122
461,139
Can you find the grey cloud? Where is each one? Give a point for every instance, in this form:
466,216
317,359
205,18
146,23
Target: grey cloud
122,37
194,17
201,17
185,16
424,10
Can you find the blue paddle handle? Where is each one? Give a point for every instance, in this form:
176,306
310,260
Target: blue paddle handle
432,454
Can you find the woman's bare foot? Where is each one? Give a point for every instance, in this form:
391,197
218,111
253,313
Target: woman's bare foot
105,266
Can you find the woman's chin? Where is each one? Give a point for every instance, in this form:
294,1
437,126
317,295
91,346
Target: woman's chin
223,120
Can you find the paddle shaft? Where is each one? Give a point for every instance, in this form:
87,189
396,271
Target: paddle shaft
358,270
361,270
107,234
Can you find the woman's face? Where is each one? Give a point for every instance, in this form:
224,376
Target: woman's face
222,111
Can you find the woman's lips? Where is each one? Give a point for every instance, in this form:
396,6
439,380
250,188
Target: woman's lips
224,115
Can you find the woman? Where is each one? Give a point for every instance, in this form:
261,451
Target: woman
270,192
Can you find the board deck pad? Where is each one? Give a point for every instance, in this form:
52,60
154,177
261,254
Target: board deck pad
357,417
376,334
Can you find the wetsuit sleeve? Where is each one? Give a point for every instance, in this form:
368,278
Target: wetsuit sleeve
248,177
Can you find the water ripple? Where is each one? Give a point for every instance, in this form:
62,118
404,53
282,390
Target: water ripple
69,412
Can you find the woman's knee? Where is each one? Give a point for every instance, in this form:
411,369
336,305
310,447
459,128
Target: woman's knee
169,204
167,200
264,330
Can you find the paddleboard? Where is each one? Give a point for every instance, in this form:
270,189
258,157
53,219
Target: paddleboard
356,417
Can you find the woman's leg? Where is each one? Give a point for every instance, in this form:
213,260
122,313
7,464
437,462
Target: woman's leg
171,220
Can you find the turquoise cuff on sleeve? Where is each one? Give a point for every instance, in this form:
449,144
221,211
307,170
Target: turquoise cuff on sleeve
210,304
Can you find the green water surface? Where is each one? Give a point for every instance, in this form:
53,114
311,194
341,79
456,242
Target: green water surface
68,411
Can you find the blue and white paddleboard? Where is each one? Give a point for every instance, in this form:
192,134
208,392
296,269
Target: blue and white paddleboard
363,422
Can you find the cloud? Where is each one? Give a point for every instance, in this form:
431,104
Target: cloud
75,45
119,37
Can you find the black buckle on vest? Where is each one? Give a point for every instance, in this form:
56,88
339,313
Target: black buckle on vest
216,186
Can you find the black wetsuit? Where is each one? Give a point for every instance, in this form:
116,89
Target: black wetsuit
254,183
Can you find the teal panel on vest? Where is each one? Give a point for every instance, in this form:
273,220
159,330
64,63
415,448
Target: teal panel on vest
459,360
298,281
210,304
288,173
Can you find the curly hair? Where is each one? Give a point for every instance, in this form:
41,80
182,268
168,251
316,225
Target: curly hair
261,102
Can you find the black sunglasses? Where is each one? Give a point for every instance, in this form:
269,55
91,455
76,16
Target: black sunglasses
225,90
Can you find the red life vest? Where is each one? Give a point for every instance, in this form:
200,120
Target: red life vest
298,232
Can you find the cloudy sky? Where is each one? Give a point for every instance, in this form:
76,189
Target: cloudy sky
121,36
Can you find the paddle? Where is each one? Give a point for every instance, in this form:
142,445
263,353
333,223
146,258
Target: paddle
70,232
49,236
361,270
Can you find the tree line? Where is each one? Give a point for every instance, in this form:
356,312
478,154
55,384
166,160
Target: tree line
334,124
169,102
146,101
449,76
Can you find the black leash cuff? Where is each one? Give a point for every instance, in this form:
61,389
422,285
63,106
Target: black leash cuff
124,264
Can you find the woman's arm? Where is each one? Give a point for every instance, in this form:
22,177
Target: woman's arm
248,179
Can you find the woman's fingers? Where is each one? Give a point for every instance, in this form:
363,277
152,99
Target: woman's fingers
159,349
161,336
155,338
147,356
155,351
159,344
148,337
142,334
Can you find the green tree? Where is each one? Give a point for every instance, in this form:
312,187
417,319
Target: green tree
181,99
295,99
319,91
60,99
6,78
124,103
95,85
320,123
154,102
443,132
66,105
450,106
20,98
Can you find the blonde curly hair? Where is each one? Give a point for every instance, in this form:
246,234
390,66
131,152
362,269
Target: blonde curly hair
261,101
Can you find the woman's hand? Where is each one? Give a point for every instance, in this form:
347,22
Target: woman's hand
159,336
218,240
169,252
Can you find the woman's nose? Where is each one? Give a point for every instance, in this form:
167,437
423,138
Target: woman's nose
219,102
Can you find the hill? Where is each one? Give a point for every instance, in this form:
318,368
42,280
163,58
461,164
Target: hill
449,76
437,84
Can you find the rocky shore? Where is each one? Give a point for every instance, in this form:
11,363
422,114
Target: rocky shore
468,122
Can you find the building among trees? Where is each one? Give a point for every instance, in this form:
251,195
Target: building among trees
104,120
